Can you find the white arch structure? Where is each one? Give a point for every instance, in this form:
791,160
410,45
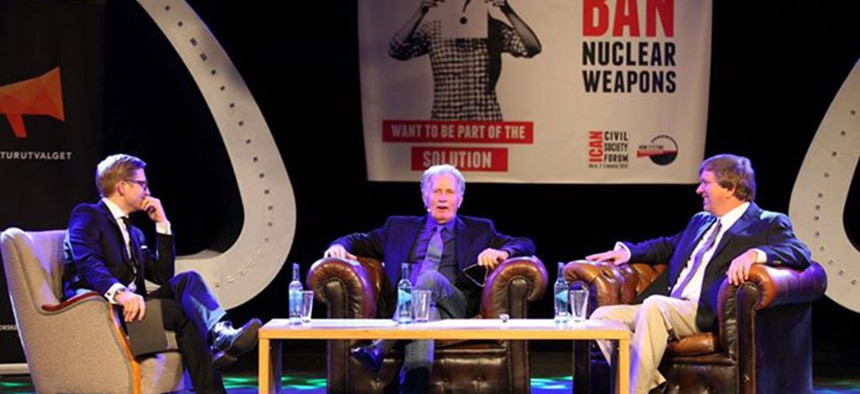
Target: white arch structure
821,193
259,252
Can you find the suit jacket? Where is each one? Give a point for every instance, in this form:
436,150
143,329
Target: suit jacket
394,242
96,257
770,232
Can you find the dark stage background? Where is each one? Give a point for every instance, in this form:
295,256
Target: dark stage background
776,65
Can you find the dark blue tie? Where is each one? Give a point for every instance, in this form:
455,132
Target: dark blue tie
133,248
434,251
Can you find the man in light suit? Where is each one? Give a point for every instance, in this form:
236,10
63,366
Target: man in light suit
731,235
462,241
106,254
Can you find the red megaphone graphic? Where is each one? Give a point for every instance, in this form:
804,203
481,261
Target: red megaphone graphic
42,95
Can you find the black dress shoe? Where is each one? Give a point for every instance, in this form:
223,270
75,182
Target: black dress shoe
229,343
663,388
370,356
416,381
223,359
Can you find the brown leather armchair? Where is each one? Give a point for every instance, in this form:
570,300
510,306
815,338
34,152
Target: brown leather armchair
764,343
354,291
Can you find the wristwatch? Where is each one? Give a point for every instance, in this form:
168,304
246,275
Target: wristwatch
118,292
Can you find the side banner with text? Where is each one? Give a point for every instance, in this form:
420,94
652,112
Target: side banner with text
51,81
589,91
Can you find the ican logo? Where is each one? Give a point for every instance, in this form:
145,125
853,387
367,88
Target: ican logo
608,149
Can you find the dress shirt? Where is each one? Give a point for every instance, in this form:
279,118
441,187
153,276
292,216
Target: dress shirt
694,288
448,266
118,215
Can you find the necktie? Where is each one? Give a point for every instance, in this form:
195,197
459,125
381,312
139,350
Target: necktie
697,260
132,249
434,251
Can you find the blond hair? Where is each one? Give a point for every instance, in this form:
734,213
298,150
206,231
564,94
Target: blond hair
113,169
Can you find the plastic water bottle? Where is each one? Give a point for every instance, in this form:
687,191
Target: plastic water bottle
404,296
296,297
562,302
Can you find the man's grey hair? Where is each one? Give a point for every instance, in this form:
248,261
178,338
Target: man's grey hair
441,169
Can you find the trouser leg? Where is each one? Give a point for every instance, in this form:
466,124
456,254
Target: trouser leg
447,302
620,313
190,291
194,349
659,319
653,323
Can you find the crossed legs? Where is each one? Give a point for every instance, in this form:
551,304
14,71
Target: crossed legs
653,323
190,310
447,302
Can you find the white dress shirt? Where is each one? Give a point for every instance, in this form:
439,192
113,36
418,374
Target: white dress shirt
118,215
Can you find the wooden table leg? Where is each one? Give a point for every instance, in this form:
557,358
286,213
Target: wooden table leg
622,371
264,368
269,369
275,361
581,366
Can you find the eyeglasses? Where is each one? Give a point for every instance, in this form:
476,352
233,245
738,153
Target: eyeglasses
477,274
143,184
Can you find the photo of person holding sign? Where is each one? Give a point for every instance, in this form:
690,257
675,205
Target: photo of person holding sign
465,44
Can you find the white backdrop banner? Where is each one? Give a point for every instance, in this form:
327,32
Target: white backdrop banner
550,91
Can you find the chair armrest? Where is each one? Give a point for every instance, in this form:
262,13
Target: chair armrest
350,289
610,284
604,280
780,285
783,291
71,302
94,321
783,285
512,285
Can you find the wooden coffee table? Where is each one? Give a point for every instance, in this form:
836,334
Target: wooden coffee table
277,330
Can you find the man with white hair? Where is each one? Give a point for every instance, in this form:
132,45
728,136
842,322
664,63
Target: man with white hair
439,246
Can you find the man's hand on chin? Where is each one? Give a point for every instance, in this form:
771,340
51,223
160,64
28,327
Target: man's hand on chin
152,207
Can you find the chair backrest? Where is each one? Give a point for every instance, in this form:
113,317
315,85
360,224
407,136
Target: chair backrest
33,262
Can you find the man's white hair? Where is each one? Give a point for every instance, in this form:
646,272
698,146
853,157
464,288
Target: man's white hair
441,169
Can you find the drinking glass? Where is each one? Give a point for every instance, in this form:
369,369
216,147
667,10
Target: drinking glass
307,305
421,304
578,301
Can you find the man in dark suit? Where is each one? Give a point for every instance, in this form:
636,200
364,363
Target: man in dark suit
731,235
439,246
105,253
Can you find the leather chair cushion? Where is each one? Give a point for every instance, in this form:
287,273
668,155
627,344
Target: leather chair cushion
694,345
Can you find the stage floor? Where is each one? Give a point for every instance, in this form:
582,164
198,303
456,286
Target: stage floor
550,374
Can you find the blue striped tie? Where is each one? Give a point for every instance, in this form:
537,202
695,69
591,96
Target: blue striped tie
697,260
